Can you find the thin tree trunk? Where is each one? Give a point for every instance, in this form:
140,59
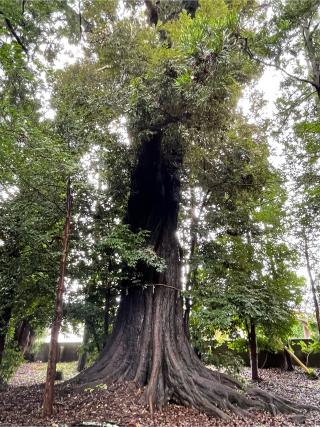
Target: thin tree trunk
6,303
84,354
2,346
253,351
106,323
24,336
193,246
194,233
312,283
186,316
53,353
4,326
312,57
288,365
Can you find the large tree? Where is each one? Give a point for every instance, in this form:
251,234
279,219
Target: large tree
177,85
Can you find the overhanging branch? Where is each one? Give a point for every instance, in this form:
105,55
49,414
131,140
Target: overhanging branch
278,67
13,32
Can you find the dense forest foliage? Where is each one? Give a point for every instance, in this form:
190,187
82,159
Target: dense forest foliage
140,203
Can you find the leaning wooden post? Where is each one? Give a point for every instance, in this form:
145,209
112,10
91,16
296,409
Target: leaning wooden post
301,364
53,353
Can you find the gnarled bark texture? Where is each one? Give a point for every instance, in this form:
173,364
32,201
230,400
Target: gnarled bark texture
148,344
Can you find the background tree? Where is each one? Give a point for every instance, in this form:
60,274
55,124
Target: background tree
31,195
244,279
294,27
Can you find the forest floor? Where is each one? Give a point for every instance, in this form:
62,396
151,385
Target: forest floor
118,405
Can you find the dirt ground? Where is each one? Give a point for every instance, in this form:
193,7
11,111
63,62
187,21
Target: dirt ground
119,405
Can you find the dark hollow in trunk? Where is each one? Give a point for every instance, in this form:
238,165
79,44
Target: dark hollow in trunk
148,344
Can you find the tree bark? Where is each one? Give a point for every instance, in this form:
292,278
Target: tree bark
194,236
253,351
53,353
312,57
2,345
288,365
4,325
106,323
24,336
193,247
148,344
84,354
312,284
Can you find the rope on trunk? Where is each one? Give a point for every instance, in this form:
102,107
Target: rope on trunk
154,284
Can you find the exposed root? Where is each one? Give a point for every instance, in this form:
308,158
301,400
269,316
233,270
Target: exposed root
276,404
149,347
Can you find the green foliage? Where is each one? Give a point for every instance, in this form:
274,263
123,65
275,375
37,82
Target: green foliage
11,358
297,330
224,359
131,248
245,273
310,347
294,49
239,345
248,285
34,163
11,361
215,350
311,374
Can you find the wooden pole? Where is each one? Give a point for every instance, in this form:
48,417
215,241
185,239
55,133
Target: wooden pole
301,364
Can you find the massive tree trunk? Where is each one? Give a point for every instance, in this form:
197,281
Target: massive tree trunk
148,344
